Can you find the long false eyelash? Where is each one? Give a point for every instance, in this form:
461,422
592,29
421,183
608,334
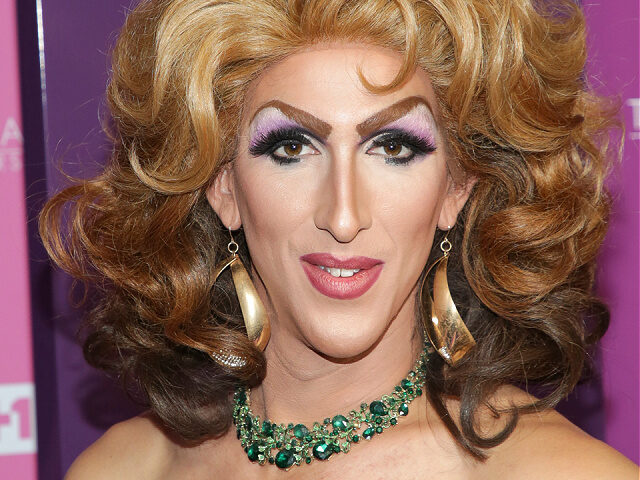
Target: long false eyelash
417,145
270,142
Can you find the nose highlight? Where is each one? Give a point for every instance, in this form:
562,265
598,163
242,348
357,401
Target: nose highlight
343,209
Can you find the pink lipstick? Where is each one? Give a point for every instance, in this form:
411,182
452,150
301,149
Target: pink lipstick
341,279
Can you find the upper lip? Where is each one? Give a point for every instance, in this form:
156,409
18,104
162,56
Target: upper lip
351,263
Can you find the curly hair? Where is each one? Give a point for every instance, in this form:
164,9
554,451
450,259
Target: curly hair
518,118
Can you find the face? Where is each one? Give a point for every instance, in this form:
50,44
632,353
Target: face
339,192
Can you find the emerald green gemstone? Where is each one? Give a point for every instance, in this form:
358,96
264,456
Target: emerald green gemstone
241,397
267,428
339,422
398,388
418,391
272,460
377,408
327,421
378,429
336,448
300,431
308,438
252,452
363,406
290,426
355,438
393,421
403,409
368,433
406,383
284,458
307,460
322,451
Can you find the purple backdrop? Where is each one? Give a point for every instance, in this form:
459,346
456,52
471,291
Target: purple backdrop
613,70
63,87
61,102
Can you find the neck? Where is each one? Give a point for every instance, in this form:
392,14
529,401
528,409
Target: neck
303,386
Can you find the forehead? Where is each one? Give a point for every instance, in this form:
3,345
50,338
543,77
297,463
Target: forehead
325,82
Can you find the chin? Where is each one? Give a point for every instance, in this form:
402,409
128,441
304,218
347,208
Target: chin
343,341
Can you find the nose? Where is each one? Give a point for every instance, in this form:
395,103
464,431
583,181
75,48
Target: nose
344,205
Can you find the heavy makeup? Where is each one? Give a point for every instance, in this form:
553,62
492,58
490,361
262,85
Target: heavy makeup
339,192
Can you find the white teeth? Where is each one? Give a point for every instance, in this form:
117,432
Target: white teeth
339,272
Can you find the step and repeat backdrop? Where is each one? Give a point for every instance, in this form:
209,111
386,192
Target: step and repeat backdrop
53,70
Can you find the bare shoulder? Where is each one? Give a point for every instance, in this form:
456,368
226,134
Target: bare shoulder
546,445
134,449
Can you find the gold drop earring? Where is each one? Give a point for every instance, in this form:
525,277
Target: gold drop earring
255,316
445,328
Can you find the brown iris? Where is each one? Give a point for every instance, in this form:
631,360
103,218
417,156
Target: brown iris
392,148
292,149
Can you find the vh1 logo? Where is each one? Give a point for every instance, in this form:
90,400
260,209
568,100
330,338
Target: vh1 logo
17,419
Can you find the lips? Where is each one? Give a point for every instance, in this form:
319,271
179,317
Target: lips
356,274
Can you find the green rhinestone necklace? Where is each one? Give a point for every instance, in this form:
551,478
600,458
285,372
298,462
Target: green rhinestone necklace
287,445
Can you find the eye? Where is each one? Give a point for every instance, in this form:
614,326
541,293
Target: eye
292,150
399,147
283,146
392,149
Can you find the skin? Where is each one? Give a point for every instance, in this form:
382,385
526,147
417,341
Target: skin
330,355
345,201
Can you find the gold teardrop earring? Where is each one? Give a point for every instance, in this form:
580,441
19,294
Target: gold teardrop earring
443,324
255,316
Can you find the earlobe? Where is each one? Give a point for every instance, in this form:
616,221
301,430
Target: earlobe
453,203
221,197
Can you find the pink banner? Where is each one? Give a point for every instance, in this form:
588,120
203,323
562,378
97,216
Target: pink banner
17,408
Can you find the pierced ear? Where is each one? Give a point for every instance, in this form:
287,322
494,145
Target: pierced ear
222,198
453,203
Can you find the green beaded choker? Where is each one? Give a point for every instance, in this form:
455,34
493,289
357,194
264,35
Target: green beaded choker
297,444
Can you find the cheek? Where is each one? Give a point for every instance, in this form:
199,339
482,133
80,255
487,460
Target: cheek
413,210
270,205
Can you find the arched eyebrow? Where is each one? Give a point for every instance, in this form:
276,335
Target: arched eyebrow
304,119
364,129
389,114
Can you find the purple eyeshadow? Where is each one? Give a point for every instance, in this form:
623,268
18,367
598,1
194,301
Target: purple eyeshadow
418,122
267,121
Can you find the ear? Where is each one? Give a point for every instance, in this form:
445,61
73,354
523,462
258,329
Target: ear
457,196
221,197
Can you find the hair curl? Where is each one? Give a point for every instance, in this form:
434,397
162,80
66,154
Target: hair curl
519,119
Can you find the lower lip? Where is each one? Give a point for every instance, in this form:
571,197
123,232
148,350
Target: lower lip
342,288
